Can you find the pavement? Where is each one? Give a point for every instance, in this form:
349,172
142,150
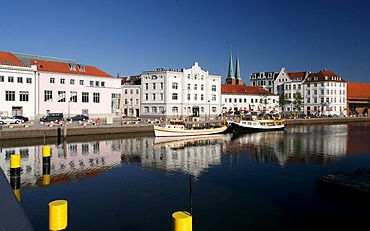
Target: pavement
12,215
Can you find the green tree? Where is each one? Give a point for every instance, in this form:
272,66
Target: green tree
298,101
283,102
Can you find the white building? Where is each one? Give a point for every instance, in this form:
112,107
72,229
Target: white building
177,93
17,86
131,96
325,93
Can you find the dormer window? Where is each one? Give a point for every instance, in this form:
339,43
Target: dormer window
72,67
81,68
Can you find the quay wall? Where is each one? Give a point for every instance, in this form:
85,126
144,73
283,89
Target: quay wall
38,131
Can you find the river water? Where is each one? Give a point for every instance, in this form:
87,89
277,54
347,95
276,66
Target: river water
258,181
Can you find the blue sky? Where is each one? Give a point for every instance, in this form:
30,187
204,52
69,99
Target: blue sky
128,37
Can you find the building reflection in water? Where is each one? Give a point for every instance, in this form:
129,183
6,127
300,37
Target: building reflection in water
300,144
71,161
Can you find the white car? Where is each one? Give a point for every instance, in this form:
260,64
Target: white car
9,120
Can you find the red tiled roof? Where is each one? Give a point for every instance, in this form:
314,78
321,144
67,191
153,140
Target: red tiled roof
321,76
358,91
297,74
7,58
242,90
61,67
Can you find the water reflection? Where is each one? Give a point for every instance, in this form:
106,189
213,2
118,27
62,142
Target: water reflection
76,160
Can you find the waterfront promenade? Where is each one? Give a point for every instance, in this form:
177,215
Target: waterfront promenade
38,130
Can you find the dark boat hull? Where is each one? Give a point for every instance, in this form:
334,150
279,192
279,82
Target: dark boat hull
249,129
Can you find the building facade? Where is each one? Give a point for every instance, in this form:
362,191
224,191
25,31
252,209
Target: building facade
178,93
17,86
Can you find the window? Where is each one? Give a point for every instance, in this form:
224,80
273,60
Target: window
28,80
10,79
202,87
188,96
73,96
146,96
154,86
9,95
23,96
174,96
153,96
161,109
188,86
126,91
1,78
137,91
72,81
136,101
85,97
102,84
131,91
201,97
96,83
96,97
20,79
91,83
213,87
72,67
213,97
154,109
161,96
161,86
195,87
174,86
61,96
175,110
146,86
81,82
48,96
195,97
62,81
146,109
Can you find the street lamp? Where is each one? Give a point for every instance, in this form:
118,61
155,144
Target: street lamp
209,109
69,109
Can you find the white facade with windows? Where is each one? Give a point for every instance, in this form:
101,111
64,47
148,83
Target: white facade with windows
177,93
17,90
325,93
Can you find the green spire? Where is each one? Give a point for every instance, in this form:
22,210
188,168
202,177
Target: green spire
237,68
230,73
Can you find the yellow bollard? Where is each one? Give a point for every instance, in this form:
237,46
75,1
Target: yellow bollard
15,161
46,179
46,151
58,215
17,193
181,221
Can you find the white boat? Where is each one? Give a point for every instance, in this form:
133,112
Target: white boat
258,125
178,128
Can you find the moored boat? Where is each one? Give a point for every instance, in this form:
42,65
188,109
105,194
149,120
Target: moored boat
258,125
178,128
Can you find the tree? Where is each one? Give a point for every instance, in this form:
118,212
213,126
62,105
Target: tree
283,102
298,101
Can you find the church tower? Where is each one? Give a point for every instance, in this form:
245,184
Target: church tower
239,80
230,76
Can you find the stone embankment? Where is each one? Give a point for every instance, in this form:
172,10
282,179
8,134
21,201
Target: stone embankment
72,130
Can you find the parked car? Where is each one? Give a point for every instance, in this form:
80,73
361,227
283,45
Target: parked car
9,120
52,117
22,118
78,118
